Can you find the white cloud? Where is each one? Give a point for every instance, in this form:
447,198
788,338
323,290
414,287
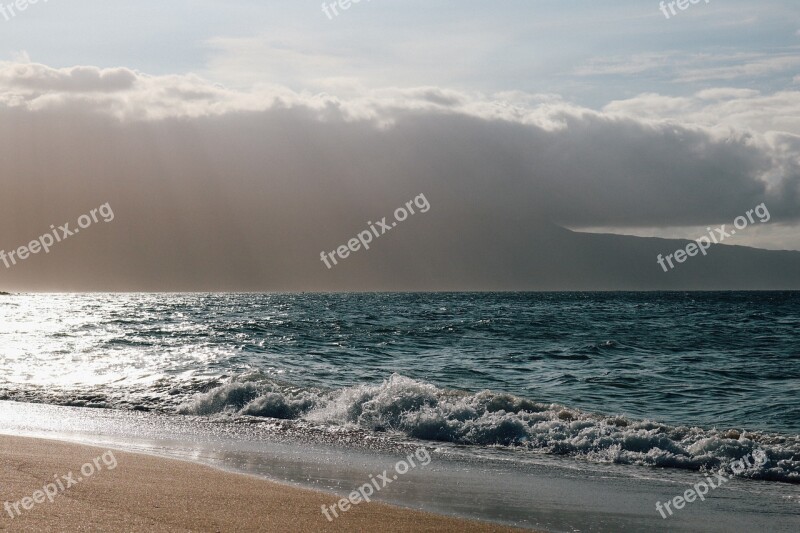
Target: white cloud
738,109
726,93
334,59
751,69
35,78
682,66
619,65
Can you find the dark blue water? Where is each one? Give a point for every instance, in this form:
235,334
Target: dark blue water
672,379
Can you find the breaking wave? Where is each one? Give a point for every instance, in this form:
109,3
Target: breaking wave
423,411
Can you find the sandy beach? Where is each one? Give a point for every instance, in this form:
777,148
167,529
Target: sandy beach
145,493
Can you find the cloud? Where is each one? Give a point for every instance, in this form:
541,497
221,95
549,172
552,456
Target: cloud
627,65
751,69
384,55
728,108
36,78
726,93
680,66
256,181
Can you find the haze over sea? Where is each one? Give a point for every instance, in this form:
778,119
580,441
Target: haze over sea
685,380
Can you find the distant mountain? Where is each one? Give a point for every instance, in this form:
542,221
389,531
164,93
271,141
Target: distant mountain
572,260
545,257
496,252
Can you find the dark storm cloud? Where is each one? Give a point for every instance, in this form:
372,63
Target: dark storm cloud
218,190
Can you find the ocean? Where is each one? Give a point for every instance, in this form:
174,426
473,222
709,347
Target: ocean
670,380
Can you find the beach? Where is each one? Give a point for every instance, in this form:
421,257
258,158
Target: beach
545,493
419,401
146,493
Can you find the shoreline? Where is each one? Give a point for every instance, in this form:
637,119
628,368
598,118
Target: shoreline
148,493
494,490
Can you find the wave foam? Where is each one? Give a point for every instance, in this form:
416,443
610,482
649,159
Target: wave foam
424,411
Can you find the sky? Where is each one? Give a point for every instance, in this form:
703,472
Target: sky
235,138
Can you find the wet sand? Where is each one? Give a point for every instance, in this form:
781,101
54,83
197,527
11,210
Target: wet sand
134,492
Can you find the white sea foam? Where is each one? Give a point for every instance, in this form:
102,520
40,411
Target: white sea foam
424,411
